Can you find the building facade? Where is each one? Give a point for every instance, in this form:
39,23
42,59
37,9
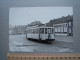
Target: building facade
63,25
19,30
10,29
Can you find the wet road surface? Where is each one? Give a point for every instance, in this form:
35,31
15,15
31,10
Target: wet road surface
19,43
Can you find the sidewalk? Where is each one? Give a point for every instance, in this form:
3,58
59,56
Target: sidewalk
64,38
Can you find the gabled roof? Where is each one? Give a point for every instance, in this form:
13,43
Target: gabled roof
60,20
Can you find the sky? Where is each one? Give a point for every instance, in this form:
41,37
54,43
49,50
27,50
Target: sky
26,15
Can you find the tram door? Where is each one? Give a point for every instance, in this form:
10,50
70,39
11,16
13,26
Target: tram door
49,30
41,32
49,33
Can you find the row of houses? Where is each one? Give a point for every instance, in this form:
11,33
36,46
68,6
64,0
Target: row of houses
21,29
18,30
62,26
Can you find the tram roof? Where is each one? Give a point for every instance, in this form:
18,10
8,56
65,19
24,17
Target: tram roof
39,27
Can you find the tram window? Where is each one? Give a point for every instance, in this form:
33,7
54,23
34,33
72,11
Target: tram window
33,31
52,30
49,30
36,30
39,30
30,31
45,30
42,30
27,31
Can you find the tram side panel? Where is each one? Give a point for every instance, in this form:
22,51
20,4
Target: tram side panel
39,35
32,35
45,36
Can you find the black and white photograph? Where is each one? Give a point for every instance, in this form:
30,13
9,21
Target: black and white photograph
41,29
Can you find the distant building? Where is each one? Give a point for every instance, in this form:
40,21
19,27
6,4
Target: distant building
19,29
10,29
63,25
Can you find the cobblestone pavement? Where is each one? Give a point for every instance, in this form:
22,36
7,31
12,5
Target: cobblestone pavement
19,43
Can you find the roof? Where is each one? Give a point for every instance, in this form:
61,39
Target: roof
60,20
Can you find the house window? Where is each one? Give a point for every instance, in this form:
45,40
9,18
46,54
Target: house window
69,23
61,28
69,30
65,28
41,30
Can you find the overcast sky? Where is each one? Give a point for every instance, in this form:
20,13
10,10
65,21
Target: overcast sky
26,15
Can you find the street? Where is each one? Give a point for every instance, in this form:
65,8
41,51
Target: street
19,43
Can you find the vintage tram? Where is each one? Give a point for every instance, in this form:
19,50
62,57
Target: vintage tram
41,33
